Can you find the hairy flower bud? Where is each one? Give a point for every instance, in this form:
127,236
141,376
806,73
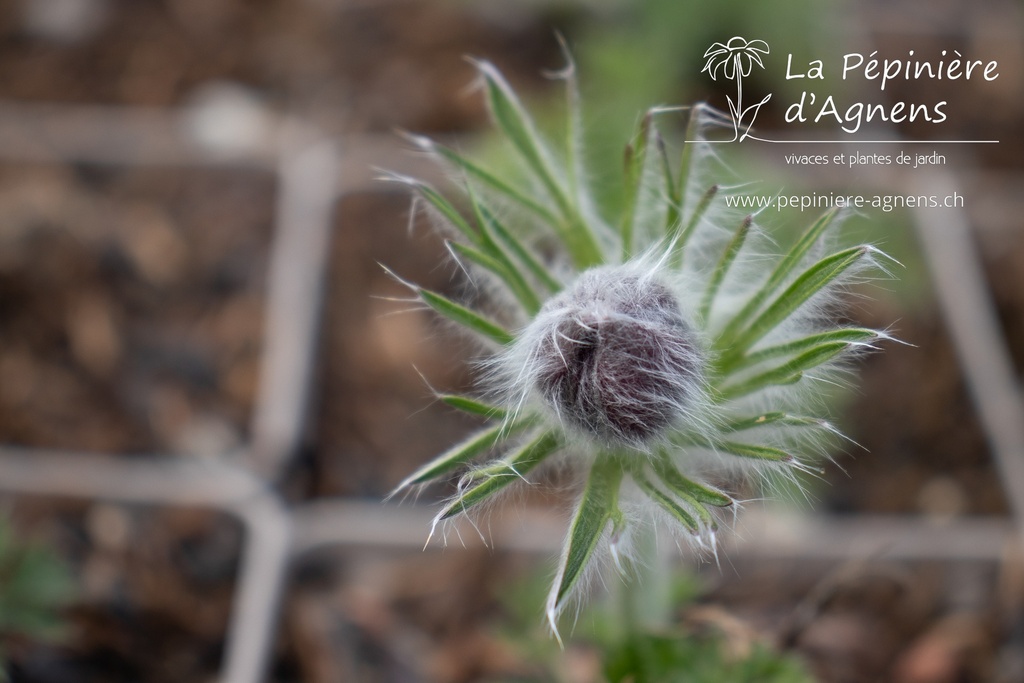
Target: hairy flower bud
614,357
620,358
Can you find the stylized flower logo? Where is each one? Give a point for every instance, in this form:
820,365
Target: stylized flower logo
735,59
738,55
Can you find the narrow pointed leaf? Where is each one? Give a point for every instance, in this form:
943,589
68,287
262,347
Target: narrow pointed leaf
507,274
636,163
686,159
798,251
782,271
497,185
474,255
473,406
516,283
573,125
446,209
650,203
461,453
597,507
666,168
682,234
773,418
667,503
488,480
723,266
683,485
466,317
699,509
754,451
809,283
851,336
514,122
521,253
672,197
786,373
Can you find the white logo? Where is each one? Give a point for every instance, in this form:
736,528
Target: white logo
735,60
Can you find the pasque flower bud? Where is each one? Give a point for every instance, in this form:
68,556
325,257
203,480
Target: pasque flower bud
613,357
668,328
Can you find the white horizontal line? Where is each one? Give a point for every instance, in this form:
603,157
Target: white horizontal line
879,142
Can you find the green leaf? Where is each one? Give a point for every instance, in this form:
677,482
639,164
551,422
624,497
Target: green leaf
510,274
723,266
684,486
765,419
782,271
596,508
682,234
635,165
506,273
667,503
494,477
672,197
799,250
473,406
754,451
787,373
666,169
446,209
461,453
809,283
650,201
521,253
686,159
514,122
487,178
851,336
474,255
465,317
573,124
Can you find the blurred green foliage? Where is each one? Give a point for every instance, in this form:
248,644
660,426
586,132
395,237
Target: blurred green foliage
34,586
636,654
634,55
651,658
652,51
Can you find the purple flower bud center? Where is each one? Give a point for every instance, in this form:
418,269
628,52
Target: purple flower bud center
620,363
